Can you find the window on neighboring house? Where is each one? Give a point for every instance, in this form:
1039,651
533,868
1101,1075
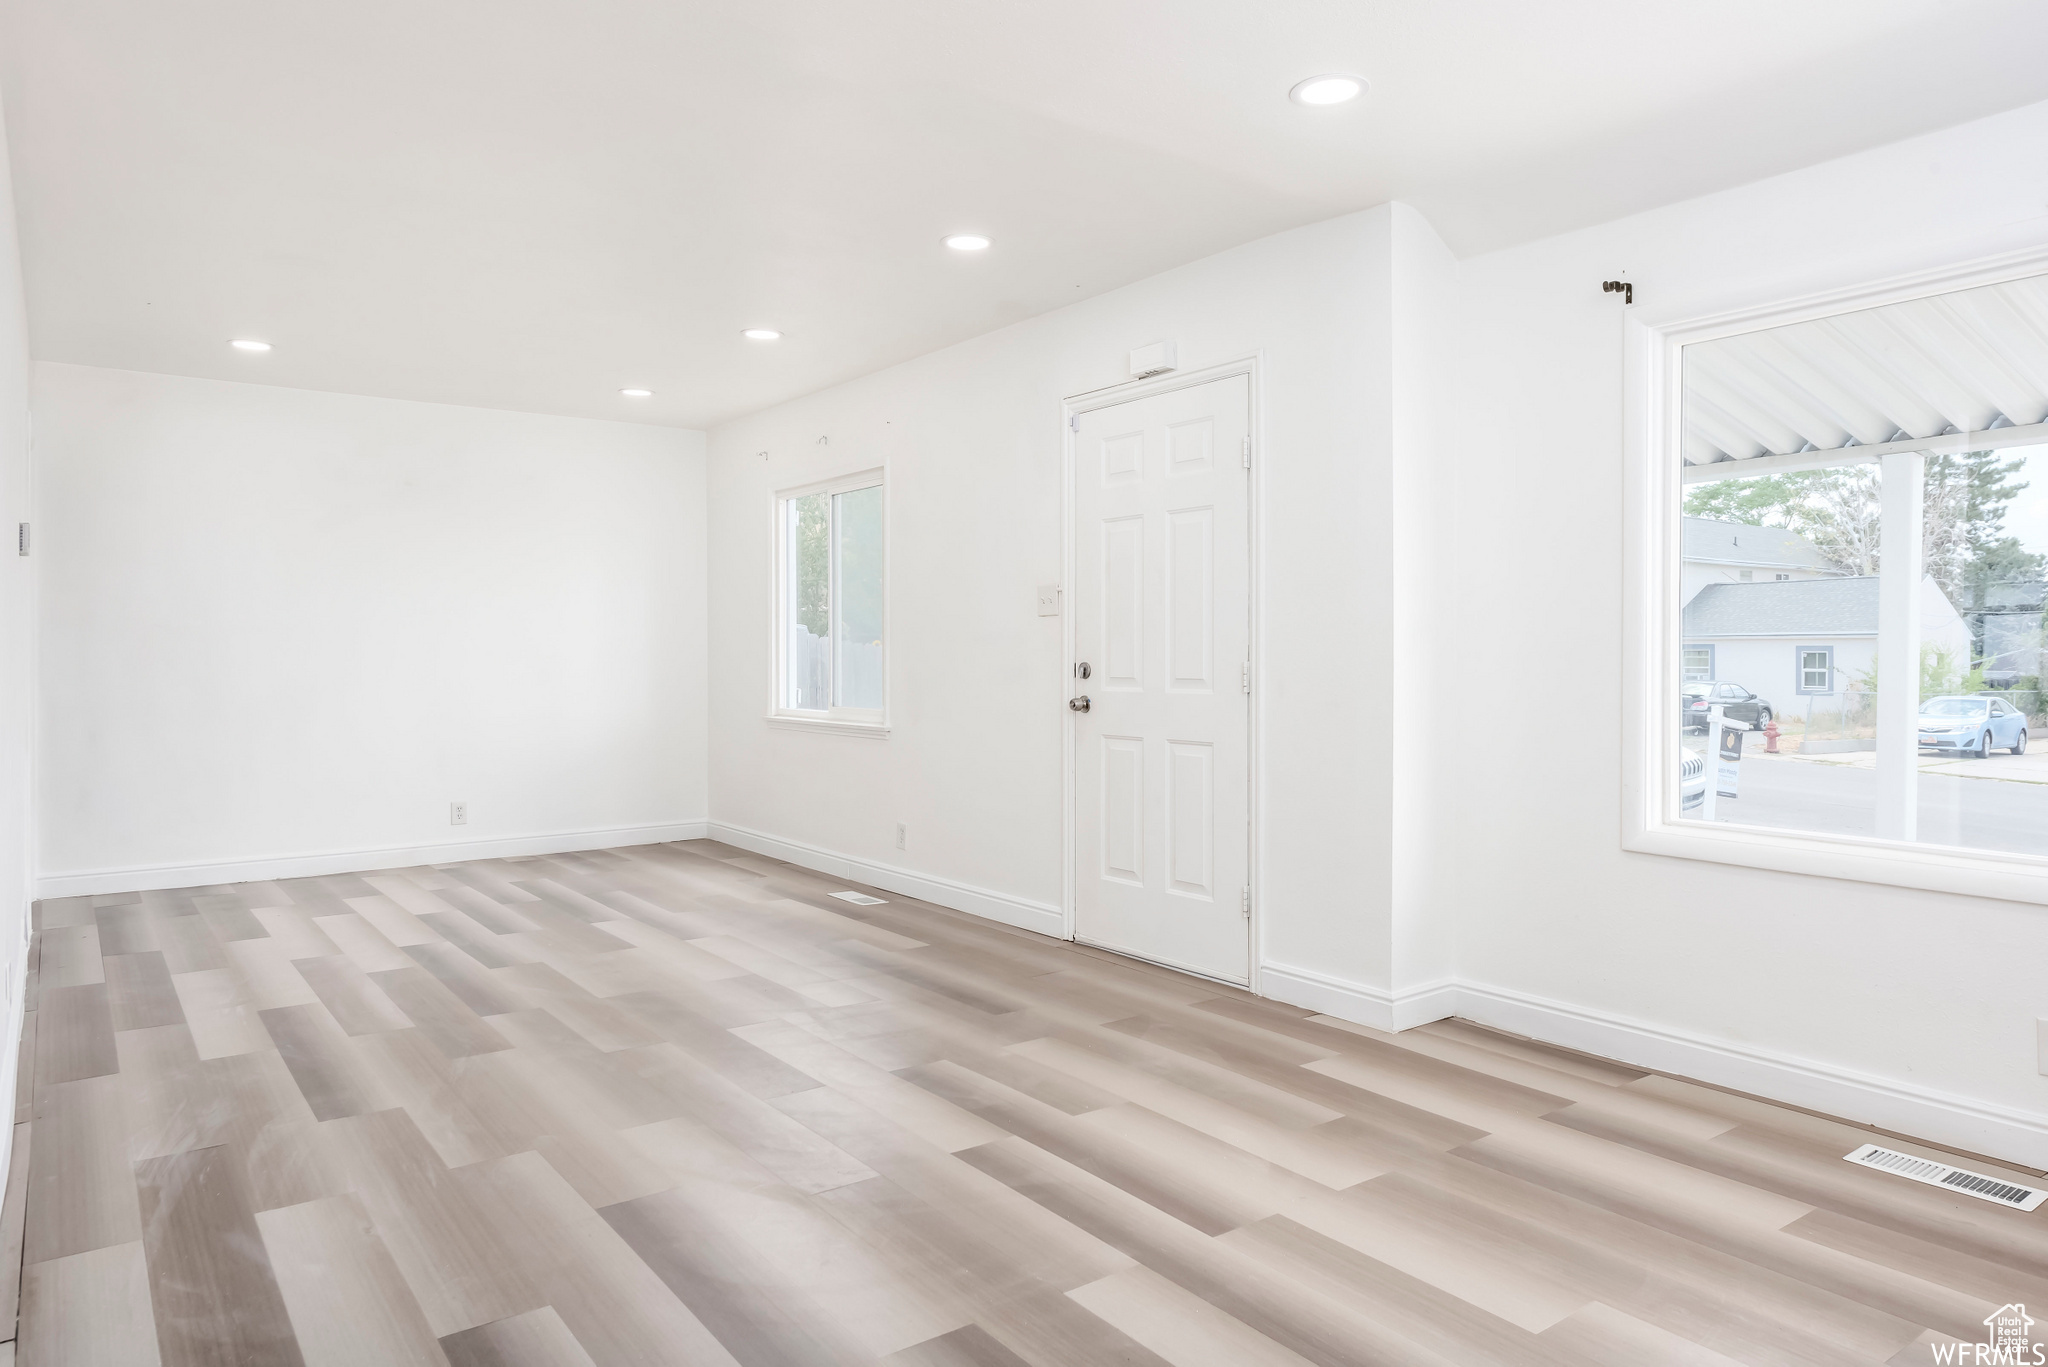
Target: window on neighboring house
830,604
1816,669
1748,575
1920,489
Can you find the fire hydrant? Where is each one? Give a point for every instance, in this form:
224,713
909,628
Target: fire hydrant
1770,737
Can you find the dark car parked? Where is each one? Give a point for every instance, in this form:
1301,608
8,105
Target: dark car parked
1736,703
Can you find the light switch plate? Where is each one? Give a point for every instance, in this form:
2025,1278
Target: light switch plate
1048,600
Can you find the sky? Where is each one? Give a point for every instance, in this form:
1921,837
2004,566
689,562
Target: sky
2026,517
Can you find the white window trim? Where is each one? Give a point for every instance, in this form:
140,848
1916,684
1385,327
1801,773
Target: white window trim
847,721
1654,335
1799,654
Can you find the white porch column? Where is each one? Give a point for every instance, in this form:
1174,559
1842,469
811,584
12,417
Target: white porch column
1899,570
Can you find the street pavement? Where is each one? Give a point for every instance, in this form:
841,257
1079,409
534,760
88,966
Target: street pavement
1961,802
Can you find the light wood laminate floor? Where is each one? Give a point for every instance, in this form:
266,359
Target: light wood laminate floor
676,1104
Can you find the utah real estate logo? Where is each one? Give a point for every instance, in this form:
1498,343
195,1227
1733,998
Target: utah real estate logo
2008,1333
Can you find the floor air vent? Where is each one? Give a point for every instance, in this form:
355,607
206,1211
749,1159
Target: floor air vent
1942,1175
863,899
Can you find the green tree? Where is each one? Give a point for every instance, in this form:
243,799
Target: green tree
814,563
1835,509
1963,537
1968,550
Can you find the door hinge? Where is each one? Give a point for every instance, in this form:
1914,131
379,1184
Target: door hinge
21,539
1244,676
1244,901
1245,450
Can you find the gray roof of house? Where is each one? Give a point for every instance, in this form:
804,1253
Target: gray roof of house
1785,607
1738,543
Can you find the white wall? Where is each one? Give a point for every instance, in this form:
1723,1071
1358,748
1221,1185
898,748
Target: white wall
280,624
17,650
1403,509
972,440
1851,996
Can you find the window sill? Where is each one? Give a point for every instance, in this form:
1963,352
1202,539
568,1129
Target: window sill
877,730
1932,868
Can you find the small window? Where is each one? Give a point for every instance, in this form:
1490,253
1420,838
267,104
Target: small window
1816,669
1748,575
1699,663
830,608
1783,577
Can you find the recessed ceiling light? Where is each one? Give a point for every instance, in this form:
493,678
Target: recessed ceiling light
967,242
762,335
1334,88
249,344
637,393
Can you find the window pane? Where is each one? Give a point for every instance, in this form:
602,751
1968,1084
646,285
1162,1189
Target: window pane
859,578
1981,785
808,657
1816,532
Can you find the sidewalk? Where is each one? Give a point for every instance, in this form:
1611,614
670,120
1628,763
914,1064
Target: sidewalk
2031,767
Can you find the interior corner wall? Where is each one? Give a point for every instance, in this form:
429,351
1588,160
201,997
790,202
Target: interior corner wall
17,650
282,631
1423,323
1912,1010
972,442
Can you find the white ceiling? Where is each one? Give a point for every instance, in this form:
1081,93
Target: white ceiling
529,204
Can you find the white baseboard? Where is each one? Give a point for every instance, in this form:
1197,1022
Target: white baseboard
1357,1002
1923,1112
152,877
1042,917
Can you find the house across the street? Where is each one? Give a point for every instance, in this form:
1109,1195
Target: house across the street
1737,553
1797,640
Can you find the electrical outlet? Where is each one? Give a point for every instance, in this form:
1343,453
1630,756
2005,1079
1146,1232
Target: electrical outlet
458,813
1048,600
902,836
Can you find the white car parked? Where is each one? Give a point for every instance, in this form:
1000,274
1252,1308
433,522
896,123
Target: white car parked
1692,784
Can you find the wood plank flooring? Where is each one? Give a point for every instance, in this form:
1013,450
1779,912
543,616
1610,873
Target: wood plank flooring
676,1104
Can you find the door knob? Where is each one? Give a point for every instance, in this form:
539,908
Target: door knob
1079,704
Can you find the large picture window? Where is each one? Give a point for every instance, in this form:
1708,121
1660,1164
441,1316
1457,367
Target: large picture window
830,609
1862,555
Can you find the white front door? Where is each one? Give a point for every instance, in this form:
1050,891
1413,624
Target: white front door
1162,617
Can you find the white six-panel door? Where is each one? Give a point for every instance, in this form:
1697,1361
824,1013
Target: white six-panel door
1162,616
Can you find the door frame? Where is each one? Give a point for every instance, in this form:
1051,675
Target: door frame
1252,366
